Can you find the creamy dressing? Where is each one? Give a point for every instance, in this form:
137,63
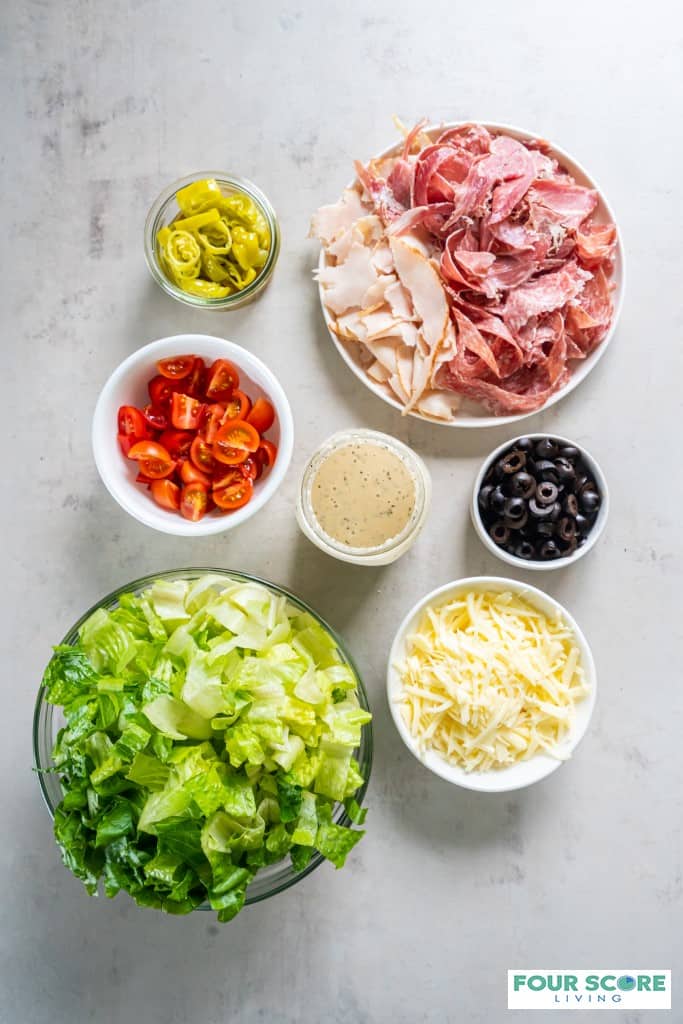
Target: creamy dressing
363,495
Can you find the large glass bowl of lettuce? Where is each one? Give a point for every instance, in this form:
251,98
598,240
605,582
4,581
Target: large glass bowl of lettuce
203,741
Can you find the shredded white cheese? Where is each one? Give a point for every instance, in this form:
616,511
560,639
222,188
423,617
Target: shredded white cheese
489,680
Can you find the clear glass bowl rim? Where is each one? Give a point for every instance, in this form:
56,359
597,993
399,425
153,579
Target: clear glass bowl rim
43,712
154,222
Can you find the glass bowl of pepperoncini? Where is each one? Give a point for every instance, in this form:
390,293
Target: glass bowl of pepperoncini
212,240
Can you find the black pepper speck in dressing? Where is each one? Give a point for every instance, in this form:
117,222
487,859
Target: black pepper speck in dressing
363,495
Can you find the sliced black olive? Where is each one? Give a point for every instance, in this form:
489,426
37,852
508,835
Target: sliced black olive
570,505
517,523
546,493
570,452
499,533
565,471
580,482
483,497
549,549
513,462
546,448
568,547
524,444
514,508
539,511
524,549
566,529
545,528
555,512
582,524
497,500
590,501
545,470
522,484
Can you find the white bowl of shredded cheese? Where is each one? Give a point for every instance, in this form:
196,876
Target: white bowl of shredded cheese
491,683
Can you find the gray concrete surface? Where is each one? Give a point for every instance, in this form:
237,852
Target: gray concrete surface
103,104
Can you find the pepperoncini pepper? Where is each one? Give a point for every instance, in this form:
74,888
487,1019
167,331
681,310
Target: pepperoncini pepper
217,244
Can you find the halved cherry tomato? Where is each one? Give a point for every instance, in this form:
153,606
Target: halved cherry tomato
176,367
194,384
224,476
234,495
266,454
132,423
186,412
202,455
142,479
166,494
262,416
177,443
237,406
223,378
229,456
161,391
149,450
194,501
189,474
155,418
251,468
211,421
153,459
234,441
127,441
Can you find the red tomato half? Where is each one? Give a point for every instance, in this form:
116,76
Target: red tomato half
234,441
189,474
211,421
266,454
149,450
131,422
155,418
262,416
126,442
186,412
202,455
194,384
153,460
166,494
194,501
177,443
161,391
234,494
237,406
223,378
176,367
251,468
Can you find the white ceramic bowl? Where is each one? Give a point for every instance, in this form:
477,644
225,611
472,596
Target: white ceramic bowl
523,773
554,563
472,414
128,386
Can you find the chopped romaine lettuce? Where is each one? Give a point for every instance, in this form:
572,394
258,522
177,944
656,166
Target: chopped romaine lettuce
210,731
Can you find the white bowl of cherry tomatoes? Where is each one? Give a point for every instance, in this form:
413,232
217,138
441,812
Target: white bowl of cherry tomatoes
192,435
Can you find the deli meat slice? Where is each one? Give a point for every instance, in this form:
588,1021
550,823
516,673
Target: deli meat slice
467,264
546,293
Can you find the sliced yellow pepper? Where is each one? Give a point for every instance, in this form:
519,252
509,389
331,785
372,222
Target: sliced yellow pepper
199,196
216,238
207,289
199,220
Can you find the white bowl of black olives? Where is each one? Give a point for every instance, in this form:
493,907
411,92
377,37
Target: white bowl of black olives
540,502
